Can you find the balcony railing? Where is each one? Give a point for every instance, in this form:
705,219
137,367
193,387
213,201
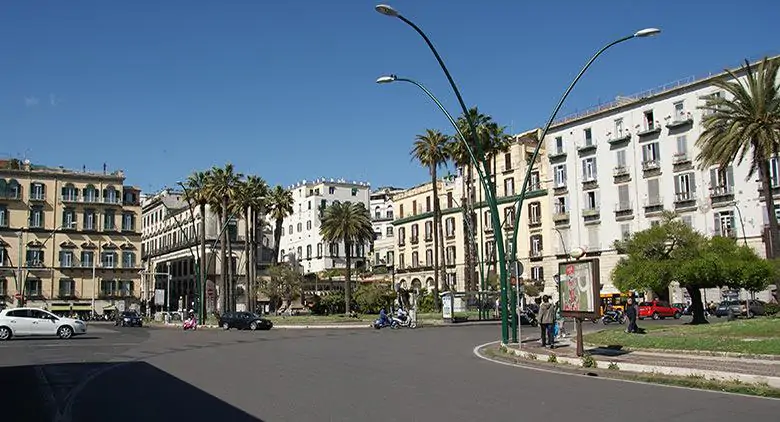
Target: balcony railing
680,158
587,145
620,171
590,211
720,191
684,197
725,232
650,129
680,120
37,196
624,206
619,138
536,253
651,165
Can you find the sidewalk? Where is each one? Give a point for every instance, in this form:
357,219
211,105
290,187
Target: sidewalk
724,368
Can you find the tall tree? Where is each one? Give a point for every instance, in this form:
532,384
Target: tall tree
250,197
280,205
430,150
349,223
222,189
745,124
197,193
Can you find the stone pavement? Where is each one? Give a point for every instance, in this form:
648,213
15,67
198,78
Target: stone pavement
725,368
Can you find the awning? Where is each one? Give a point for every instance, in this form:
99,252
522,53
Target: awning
109,308
60,307
79,307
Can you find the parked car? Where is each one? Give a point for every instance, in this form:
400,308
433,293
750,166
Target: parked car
658,310
756,308
244,321
21,322
129,319
727,306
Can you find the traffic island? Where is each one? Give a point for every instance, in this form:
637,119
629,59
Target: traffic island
736,375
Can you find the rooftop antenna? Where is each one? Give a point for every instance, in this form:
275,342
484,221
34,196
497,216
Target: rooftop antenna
104,168
83,168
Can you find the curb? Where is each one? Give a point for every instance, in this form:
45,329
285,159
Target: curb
340,326
733,355
664,370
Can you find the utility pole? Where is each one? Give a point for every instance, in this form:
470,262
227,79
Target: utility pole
168,290
19,282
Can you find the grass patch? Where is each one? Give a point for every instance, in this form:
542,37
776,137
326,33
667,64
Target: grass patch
753,336
691,381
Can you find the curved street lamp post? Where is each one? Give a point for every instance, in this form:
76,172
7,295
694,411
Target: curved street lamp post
488,183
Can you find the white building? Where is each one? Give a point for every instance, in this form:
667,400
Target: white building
301,240
617,167
382,215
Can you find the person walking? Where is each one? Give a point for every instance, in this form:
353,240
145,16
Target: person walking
546,321
631,314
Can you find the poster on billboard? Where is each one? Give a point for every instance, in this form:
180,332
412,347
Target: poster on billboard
578,288
159,297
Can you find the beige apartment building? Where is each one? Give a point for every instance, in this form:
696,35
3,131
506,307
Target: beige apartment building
69,240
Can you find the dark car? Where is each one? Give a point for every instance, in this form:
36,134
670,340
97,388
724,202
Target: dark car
726,306
244,321
129,319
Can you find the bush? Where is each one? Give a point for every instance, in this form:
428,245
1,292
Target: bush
613,366
426,303
553,358
370,298
772,308
330,304
588,361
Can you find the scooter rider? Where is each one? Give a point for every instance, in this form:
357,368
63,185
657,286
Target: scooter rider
383,317
401,314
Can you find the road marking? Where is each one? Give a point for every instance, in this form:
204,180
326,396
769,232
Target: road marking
552,371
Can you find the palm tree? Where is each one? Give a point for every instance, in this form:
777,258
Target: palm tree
280,205
430,150
349,223
197,193
747,124
221,189
250,200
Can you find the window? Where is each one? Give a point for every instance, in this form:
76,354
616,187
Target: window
624,201
588,137
389,232
3,216
128,222
110,196
507,161
428,257
650,154
37,192
509,186
534,182
592,201
560,205
108,259
449,227
298,253
308,225
308,251
14,190
66,259
618,128
682,146
488,221
722,181
334,249
558,145
537,274
620,159
3,258
331,190
450,255
415,259
509,216
490,251
354,191
427,204
589,169
69,218
377,213
653,192
319,250
401,261
534,213
593,238
108,220
401,236
87,259
90,194
560,176
625,231
685,186
299,226
724,223
688,220
415,233
67,288
290,230
390,258
450,200
401,210
33,287
649,120
128,259
389,213
36,217
536,245
679,111
34,258
69,193
428,230
3,287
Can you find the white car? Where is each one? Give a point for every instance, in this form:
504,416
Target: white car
22,322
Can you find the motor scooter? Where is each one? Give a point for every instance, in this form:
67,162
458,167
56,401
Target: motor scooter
379,323
190,324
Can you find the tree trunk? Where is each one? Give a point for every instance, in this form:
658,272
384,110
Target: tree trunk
347,277
253,254
223,261
773,249
470,258
697,306
231,273
248,259
202,262
436,250
277,239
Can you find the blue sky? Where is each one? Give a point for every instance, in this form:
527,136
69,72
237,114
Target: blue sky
285,89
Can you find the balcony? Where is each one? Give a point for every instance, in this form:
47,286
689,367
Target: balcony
624,210
620,138
591,214
536,253
589,183
684,200
112,200
69,198
650,129
535,221
681,120
556,156
621,174
588,146
651,167
560,216
654,205
11,196
560,189
37,196
681,161
725,232
721,195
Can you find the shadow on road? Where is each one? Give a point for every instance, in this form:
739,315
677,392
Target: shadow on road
130,391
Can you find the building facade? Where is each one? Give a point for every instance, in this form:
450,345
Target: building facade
382,215
301,241
616,168
69,240
171,246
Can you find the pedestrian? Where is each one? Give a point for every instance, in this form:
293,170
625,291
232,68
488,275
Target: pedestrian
631,314
546,321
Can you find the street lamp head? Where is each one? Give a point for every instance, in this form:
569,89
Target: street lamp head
647,32
386,10
386,79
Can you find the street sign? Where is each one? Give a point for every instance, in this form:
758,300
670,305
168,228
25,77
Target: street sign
159,297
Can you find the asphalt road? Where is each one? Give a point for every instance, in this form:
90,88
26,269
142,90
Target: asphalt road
428,374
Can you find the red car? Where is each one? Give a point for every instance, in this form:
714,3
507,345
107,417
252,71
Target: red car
658,310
